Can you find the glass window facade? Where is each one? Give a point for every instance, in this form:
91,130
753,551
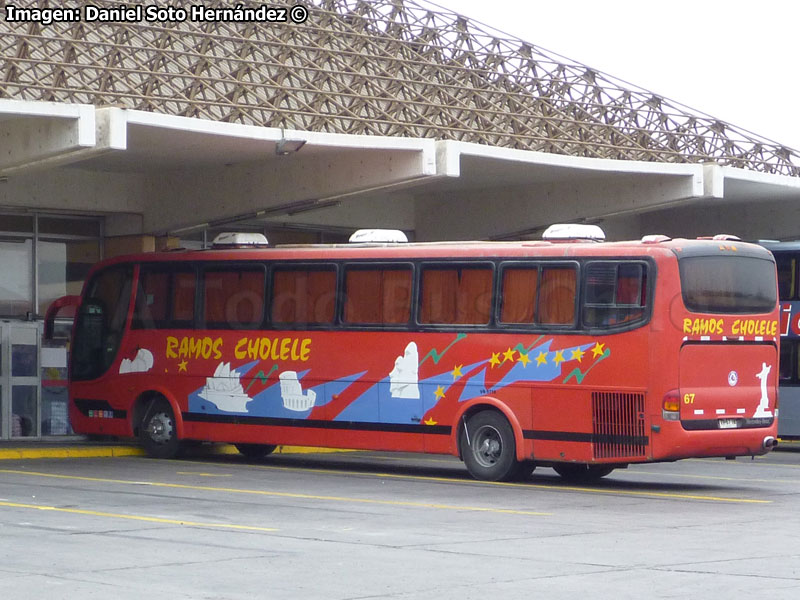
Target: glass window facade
42,257
16,277
62,268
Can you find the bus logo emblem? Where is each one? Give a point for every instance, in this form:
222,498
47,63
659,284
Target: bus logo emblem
733,378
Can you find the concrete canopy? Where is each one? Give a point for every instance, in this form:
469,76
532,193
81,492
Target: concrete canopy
180,174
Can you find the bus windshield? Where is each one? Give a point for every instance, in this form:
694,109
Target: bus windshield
728,285
101,322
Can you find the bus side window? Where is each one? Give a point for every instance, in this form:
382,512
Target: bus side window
615,293
460,295
787,268
557,291
518,295
183,294
377,295
113,289
234,298
164,299
787,360
152,298
303,296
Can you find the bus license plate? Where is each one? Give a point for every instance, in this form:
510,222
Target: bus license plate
728,423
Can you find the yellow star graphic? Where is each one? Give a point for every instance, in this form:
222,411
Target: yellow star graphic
597,350
495,360
523,358
457,372
577,354
430,421
559,357
508,355
439,393
182,366
541,359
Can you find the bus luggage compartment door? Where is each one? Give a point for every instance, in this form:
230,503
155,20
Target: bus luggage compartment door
728,385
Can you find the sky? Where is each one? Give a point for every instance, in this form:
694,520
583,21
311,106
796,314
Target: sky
736,61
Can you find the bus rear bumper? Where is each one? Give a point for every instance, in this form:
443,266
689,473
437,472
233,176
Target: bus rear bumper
673,442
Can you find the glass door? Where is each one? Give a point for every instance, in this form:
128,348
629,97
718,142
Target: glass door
19,380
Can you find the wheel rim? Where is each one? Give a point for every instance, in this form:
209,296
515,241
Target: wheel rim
160,428
488,446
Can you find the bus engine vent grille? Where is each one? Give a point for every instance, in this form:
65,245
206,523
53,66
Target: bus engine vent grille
618,427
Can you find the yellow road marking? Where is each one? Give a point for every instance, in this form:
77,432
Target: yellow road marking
764,460
95,513
526,485
544,486
199,474
284,494
710,477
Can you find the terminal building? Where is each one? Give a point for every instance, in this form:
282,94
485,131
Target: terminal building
120,137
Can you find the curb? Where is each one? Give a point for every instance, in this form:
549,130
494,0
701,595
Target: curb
70,452
19,453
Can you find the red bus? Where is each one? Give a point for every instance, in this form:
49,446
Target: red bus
574,354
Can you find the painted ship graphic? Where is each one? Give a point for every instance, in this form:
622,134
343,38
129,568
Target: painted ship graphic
225,390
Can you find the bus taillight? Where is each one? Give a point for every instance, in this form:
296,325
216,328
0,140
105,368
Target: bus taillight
671,406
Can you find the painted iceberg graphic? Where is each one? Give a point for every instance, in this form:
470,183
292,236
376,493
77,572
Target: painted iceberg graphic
292,393
141,363
225,390
404,378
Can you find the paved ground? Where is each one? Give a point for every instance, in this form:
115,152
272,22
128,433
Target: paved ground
373,525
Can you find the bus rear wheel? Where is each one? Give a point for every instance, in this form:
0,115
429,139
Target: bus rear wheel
255,450
581,473
157,432
488,447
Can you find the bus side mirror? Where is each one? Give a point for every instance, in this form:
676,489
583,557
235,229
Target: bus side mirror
65,304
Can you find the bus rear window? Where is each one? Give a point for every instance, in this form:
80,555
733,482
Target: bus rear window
728,284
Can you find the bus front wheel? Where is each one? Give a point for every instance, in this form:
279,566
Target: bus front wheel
157,432
488,447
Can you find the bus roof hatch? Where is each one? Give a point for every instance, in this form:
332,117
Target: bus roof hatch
232,239
562,232
378,235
